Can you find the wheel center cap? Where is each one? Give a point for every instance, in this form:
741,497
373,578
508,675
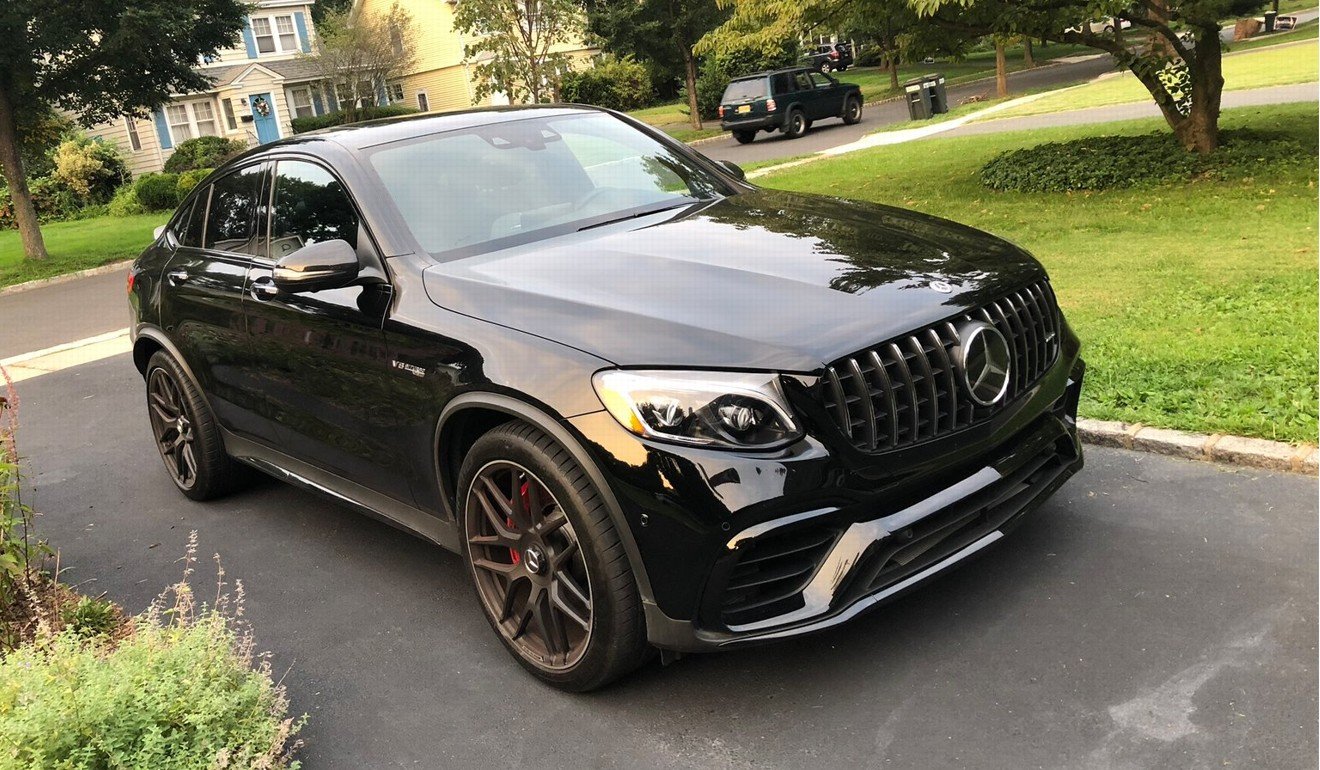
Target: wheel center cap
535,559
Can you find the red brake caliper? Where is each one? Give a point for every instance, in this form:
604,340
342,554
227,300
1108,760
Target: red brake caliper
527,502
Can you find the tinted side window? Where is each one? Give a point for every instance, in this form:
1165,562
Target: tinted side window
801,82
820,81
190,225
783,83
310,206
229,221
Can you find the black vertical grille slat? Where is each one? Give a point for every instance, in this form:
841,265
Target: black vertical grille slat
946,379
888,388
910,389
863,389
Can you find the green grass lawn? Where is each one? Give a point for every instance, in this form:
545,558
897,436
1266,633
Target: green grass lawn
78,245
1266,67
1196,302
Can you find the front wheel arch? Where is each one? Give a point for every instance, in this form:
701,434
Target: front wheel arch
496,409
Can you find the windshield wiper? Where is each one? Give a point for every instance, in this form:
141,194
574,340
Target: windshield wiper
639,214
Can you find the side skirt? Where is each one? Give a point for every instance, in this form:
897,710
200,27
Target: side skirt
394,512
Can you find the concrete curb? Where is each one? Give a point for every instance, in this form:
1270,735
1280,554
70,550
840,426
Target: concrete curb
54,279
1230,450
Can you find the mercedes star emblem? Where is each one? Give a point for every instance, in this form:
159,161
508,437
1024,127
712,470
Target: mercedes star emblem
985,360
943,287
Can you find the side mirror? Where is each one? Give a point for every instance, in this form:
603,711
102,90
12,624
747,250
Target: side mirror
155,234
734,169
325,265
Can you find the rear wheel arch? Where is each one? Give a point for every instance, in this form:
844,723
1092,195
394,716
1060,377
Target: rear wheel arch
490,410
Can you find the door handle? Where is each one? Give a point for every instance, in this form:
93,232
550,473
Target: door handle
263,288
176,277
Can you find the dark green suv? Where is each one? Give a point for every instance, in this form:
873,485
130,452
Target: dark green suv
787,100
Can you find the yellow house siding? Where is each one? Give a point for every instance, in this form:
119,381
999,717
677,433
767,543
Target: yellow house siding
148,159
446,89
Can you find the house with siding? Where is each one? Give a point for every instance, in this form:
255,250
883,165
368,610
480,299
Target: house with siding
258,87
439,79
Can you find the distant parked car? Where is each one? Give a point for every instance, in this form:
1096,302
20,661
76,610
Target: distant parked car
787,100
831,57
1103,26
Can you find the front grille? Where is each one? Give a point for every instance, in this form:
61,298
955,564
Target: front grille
769,578
907,390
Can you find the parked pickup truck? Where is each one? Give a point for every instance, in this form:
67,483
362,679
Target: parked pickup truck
787,100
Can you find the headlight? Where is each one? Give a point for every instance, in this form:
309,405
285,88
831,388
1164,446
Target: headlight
714,409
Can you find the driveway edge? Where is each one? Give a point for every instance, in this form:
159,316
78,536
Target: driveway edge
54,279
1218,448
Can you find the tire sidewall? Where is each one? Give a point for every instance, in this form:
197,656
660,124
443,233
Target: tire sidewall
499,445
797,124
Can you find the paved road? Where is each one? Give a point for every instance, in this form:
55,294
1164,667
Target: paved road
1302,92
1156,613
834,133
36,319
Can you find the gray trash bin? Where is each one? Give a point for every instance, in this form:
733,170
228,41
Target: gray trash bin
918,99
939,98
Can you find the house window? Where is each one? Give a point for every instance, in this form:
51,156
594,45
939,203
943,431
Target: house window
230,121
366,95
423,103
189,120
396,93
134,140
301,98
274,34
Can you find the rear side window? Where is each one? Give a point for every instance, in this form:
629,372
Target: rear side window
230,220
783,83
310,206
745,91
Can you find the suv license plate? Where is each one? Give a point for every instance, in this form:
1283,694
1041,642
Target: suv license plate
745,108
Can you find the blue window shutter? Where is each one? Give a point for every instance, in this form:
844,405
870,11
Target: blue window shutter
300,22
317,107
382,98
249,41
162,130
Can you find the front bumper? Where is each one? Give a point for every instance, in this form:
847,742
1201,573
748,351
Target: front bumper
740,549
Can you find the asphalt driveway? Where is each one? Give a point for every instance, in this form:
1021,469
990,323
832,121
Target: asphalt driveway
1156,613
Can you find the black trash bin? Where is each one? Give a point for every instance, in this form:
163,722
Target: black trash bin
939,98
1271,19
918,99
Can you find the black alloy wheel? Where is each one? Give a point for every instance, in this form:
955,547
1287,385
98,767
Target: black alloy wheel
797,125
172,426
529,567
187,434
852,111
548,566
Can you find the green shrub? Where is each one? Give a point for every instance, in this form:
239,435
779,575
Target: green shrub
203,152
157,192
89,168
126,203
190,179
90,617
617,84
314,122
169,696
1107,162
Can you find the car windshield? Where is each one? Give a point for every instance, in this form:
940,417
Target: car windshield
478,189
744,91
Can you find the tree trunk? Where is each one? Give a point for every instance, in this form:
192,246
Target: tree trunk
1199,131
1001,69
892,63
1028,55
690,76
25,214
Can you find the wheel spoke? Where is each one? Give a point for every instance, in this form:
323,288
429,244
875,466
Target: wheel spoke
168,436
554,521
557,597
518,508
496,520
497,567
552,627
563,555
162,408
190,460
493,541
496,495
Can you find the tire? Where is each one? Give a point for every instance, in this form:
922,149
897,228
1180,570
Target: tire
795,125
744,137
187,434
826,67
534,556
852,111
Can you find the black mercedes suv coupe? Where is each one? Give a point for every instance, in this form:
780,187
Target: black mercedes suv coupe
651,405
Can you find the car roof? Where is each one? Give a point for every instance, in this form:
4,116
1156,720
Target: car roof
359,136
768,73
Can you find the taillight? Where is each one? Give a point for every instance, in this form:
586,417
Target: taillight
131,278
721,110
834,54
770,105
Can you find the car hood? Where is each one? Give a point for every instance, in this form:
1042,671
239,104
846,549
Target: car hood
760,280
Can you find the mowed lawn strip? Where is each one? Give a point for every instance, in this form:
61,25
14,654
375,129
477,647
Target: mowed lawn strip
1266,67
78,245
1195,301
